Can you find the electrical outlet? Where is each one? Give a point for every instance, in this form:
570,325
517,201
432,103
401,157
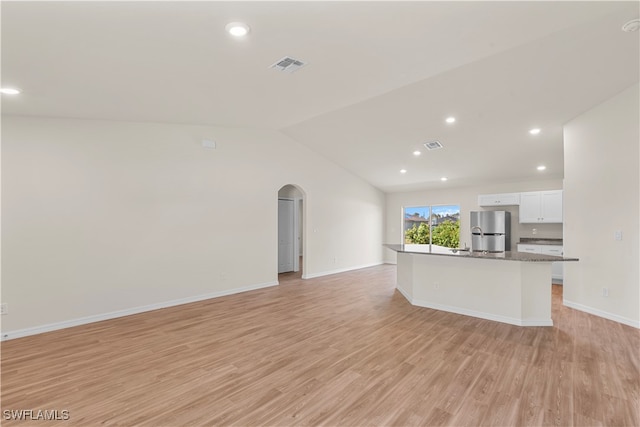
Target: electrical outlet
617,235
4,308
605,292
534,231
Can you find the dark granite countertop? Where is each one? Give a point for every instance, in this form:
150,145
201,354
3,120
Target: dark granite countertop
539,241
505,256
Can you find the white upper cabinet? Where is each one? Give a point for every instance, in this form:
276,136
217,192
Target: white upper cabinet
541,206
504,199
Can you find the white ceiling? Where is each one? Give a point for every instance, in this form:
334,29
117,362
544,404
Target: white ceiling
380,80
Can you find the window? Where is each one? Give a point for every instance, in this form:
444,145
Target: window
437,225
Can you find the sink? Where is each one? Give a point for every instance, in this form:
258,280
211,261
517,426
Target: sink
461,251
488,254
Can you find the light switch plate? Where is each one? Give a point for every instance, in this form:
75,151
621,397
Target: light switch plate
207,143
617,235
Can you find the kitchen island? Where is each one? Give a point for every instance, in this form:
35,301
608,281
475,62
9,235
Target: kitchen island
508,287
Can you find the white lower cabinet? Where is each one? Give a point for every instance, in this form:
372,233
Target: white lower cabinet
531,249
557,268
557,271
551,250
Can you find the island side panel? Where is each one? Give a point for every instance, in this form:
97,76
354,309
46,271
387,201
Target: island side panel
536,293
404,281
481,288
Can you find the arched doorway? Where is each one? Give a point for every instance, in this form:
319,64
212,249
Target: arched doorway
291,240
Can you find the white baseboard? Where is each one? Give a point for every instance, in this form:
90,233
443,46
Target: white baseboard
600,313
19,333
482,315
340,270
404,294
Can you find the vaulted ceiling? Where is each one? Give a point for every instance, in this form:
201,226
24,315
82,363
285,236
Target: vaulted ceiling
380,79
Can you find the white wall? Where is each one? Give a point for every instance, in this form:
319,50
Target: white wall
107,217
601,196
467,198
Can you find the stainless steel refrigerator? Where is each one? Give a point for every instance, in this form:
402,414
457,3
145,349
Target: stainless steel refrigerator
491,231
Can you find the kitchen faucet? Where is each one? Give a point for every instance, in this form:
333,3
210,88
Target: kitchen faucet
481,235
481,232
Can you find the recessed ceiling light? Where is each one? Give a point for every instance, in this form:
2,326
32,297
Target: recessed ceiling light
9,91
450,119
403,171
534,131
541,167
237,29
417,153
443,179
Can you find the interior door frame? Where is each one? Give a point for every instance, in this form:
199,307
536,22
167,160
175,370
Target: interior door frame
296,234
301,201
296,230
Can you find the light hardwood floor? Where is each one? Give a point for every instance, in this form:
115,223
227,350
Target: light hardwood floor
340,350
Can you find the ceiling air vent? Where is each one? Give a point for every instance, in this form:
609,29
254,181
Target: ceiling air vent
288,64
433,145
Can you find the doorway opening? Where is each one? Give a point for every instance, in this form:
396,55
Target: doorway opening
290,231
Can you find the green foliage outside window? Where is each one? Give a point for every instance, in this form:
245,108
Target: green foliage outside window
417,234
445,234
